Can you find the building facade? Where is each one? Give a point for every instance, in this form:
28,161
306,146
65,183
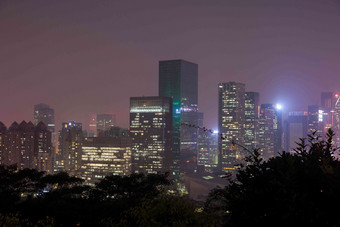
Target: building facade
104,156
151,134
178,79
43,113
27,146
270,130
251,123
231,119
296,127
105,122
68,158
207,157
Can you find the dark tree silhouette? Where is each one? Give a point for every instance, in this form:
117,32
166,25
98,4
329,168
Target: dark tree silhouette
300,189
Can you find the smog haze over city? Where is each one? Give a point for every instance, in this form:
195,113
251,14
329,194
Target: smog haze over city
86,57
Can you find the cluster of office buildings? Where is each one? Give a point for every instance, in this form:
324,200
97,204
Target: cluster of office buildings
166,132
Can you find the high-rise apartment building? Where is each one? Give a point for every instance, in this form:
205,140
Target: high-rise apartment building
20,145
251,126
178,79
105,122
27,146
103,156
151,134
270,130
68,158
231,119
296,127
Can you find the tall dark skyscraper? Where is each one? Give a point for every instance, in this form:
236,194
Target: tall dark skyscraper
231,119
251,127
296,127
43,113
178,79
151,134
270,130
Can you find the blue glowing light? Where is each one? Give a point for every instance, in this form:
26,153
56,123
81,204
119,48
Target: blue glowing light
278,106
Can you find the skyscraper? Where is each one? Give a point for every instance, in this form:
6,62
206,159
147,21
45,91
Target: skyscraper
70,143
151,133
231,119
189,141
328,102
43,113
43,151
296,127
103,156
270,130
105,122
207,156
178,79
3,130
251,127
314,118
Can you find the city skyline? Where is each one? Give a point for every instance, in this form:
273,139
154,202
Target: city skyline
79,64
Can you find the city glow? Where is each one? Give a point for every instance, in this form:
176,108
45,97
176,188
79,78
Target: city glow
215,131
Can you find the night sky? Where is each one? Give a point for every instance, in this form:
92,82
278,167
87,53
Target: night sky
83,57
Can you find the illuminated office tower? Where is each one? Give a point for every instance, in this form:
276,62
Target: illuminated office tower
103,156
251,127
207,156
151,133
296,127
231,119
28,146
270,130
178,79
3,131
105,122
68,158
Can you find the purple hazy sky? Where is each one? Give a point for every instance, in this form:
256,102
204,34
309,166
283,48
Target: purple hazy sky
87,56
